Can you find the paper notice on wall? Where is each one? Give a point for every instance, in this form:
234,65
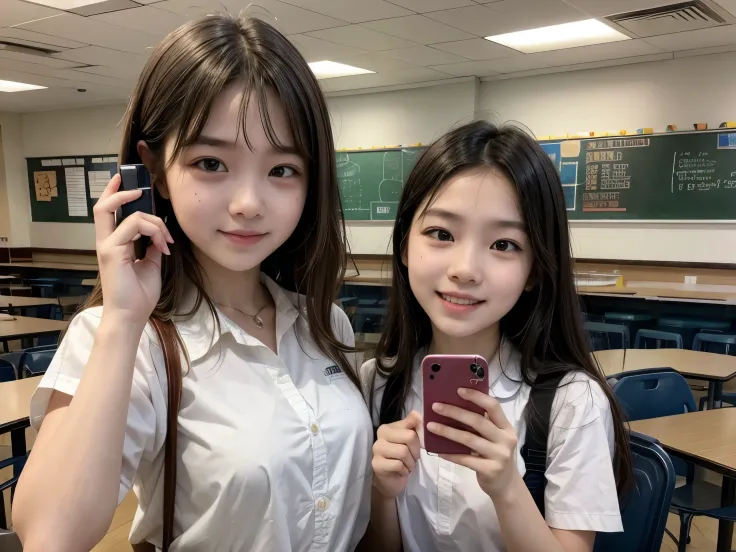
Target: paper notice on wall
98,160
570,148
76,193
111,159
51,162
45,184
98,181
80,161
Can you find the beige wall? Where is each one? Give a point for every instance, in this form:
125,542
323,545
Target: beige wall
679,91
16,195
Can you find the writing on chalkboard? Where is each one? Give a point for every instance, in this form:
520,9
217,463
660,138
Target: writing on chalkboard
695,172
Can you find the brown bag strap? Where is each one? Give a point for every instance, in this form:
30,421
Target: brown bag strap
169,340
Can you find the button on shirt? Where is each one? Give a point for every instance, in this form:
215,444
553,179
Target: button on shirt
273,450
444,509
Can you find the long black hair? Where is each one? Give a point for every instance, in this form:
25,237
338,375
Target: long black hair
545,323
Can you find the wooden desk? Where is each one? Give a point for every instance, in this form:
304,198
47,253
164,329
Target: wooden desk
24,326
15,404
54,266
707,438
611,361
8,301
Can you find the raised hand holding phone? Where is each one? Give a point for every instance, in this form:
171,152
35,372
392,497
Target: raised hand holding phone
131,286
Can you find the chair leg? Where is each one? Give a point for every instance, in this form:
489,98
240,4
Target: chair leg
685,522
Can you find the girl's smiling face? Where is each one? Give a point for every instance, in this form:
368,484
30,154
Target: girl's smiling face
468,255
238,201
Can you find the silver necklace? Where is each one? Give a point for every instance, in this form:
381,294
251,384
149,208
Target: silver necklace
257,320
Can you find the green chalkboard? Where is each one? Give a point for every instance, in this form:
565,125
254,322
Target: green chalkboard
674,176
371,181
64,189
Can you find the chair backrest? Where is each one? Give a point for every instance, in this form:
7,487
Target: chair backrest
653,393
607,336
9,542
656,339
644,511
715,343
35,363
51,312
8,371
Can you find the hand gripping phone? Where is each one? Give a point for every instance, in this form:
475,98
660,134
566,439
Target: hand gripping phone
442,376
136,177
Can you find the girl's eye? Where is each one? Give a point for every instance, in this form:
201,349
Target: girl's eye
211,165
439,234
282,172
504,245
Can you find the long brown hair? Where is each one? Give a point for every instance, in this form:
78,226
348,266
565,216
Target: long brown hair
545,323
182,79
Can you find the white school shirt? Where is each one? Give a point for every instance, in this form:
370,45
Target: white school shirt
444,509
273,451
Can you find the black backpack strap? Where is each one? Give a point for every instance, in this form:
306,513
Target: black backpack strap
534,451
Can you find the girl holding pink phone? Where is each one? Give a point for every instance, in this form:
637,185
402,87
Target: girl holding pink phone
482,267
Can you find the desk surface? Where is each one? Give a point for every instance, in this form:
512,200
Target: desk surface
15,400
707,437
20,301
54,266
611,361
696,364
26,326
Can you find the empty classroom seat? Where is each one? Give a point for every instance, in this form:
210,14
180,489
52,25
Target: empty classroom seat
656,339
689,327
724,344
604,336
635,321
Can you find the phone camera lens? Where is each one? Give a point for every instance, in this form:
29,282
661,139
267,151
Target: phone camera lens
474,368
435,367
480,372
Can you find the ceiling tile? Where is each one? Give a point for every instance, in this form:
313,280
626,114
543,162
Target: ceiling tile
425,56
529,14
94,55
585,54
357,36
23,36
690,40
380,62
419,28
104,7
422,6
478,20
728,5
84,29
15,12
81,77
36,59
315,49
476,49
467,69
123,73
353,11
148,19
419,74
285,17
601,8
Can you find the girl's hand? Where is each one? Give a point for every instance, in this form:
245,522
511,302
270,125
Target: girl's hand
395,454
130,288
494,448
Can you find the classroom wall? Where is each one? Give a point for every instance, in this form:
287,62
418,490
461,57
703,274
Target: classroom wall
679,91
15,206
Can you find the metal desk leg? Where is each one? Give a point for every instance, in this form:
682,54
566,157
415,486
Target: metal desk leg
711,394
718,394
725,528
18,447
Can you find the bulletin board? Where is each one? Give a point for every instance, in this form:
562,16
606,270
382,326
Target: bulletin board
64,189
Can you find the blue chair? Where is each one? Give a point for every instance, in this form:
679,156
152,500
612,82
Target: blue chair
688,327
720,344
660,392
17,462
607,336
35,363
657,338
8,371
644,511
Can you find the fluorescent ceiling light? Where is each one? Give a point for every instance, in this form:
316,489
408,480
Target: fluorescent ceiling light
11,86
557,37
330,69
66,4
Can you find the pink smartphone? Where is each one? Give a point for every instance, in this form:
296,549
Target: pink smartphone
442,376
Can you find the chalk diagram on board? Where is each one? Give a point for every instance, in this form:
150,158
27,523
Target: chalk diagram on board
351,192
389,190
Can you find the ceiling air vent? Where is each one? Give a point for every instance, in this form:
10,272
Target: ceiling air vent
10,46
675,18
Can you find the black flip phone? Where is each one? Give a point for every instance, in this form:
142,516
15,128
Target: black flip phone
136,177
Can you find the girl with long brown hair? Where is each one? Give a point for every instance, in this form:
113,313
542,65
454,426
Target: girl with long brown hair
247,252
482,266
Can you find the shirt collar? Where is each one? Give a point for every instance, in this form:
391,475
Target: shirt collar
504,371
199,331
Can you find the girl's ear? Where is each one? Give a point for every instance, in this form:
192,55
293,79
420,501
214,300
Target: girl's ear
150,162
